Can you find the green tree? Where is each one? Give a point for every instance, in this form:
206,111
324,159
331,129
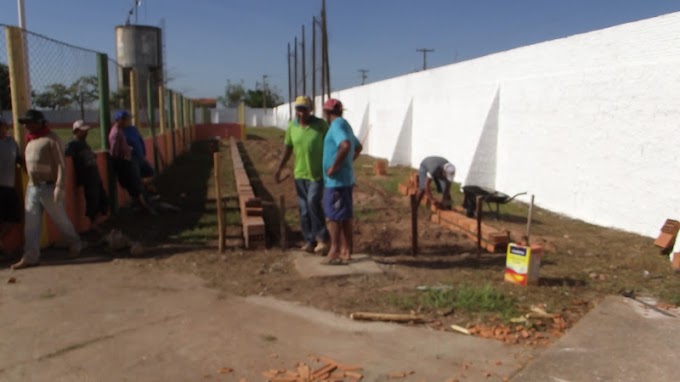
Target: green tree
5,93
55,97
255,98
83,92
233,94
120,99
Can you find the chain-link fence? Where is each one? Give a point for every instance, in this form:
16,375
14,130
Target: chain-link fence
120,93
63,80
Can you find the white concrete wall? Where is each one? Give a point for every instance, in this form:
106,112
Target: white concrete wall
254,117
61,116
588,123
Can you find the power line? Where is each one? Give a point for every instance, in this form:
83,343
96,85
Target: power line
425,51
364,75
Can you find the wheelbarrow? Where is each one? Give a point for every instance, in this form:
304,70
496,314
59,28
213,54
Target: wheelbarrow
488,196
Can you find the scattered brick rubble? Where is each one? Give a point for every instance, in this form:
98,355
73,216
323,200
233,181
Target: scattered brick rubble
324,370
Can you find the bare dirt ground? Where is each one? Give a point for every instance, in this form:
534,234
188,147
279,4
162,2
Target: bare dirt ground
582,263
128,320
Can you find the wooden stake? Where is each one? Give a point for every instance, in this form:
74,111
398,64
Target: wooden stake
282,218
134,97
478,212
218,202
529,217
414,226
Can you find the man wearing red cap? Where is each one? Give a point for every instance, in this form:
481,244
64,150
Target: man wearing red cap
341,148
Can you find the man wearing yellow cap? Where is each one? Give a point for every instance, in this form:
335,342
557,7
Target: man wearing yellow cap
304,138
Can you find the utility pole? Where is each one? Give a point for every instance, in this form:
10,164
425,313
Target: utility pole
364,75
296,67
21,9
425,52
324,32
264,93
290,87
323,64
22,14
304,64
314,60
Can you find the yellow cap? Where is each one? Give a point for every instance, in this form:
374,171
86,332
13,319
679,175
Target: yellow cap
303,101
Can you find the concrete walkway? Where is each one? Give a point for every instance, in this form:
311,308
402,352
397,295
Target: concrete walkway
620,341
309,266
128,321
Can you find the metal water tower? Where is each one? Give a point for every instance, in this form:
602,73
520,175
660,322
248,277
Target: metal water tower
139,47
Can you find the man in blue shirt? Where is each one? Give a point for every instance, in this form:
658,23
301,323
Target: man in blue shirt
136,142
341,148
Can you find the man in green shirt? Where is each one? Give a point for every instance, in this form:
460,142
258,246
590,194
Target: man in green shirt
304,138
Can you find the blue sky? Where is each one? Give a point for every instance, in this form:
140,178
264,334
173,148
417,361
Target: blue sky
211,41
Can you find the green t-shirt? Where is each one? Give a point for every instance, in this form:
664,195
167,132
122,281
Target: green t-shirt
307,144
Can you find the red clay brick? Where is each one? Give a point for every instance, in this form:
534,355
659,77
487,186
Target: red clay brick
665,240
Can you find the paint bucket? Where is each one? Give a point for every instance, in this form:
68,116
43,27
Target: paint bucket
523,264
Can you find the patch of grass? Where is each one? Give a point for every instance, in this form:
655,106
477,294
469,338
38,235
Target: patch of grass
391,183
365,214
485,300
403,301
467,298
671,297
94,137
268,133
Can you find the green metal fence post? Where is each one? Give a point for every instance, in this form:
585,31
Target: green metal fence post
171,112
105,124
151,117
182,122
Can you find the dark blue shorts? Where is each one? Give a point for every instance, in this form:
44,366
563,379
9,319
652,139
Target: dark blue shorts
337,203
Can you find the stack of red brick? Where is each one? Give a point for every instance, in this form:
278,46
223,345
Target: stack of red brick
493,240
667,238
250,206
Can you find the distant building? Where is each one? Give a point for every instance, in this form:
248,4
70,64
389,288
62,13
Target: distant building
139,47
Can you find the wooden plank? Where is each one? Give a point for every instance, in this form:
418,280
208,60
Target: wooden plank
218,201
367,316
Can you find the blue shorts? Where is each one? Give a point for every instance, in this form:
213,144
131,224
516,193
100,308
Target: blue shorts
337,203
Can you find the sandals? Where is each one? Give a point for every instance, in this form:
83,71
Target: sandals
23,264
334,261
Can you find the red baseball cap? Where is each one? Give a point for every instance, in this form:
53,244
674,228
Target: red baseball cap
332,105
